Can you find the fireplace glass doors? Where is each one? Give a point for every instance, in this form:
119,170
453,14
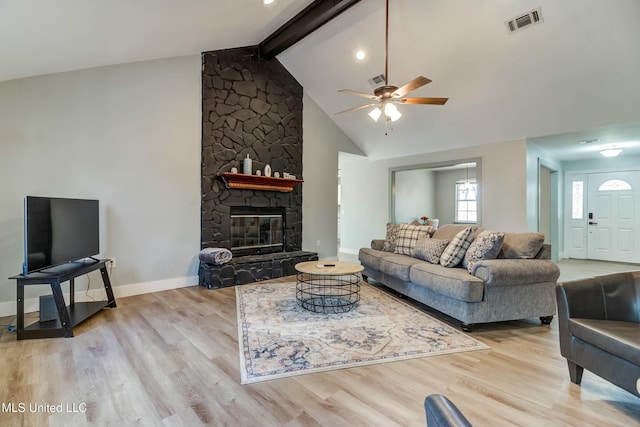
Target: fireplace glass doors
257,233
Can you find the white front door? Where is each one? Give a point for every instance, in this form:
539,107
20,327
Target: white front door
613,216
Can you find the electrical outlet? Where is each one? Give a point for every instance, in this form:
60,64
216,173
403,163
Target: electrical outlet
112,263
318,243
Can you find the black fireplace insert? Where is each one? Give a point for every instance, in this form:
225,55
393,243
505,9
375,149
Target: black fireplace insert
257,231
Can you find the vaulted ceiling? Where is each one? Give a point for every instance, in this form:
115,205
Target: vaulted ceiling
575,74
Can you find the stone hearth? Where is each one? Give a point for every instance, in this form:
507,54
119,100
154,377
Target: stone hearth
249,269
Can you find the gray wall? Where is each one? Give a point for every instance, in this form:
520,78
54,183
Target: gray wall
323,140
414,195
128,135
365,189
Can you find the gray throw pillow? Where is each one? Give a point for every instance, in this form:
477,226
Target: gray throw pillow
455,250
487,245
429,250
521,245
391,238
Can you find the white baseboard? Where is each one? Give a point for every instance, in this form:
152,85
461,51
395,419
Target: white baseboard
9,308
348,251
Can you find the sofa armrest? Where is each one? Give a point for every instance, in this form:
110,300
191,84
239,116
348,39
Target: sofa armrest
377,244
508,272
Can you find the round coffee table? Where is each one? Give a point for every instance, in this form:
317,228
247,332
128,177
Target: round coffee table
328,286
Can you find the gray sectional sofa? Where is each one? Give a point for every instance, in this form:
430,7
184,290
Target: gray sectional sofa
496,290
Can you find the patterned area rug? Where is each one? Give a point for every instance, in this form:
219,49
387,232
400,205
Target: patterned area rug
278,339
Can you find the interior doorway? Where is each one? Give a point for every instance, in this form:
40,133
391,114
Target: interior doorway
548,207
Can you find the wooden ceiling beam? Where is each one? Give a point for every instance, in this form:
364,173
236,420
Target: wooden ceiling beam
304,23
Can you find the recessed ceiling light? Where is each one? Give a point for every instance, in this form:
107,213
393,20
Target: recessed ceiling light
361,55
267,1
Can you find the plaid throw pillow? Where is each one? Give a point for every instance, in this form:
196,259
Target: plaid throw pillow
429,249
454,253
408,236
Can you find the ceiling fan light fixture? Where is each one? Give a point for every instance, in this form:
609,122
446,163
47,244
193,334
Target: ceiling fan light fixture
391,112
375,114
384,97
611,152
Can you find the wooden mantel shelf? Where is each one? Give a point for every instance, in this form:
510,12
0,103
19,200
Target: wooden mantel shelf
256,182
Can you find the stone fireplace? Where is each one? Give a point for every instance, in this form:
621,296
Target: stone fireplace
250,106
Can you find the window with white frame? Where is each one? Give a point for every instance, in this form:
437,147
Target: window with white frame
466,201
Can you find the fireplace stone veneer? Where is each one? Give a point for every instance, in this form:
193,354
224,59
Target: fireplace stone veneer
250,106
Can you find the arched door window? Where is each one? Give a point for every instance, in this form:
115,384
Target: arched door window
615,185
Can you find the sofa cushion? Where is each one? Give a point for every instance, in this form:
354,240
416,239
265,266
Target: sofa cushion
408,236
371,257
455,283
455,250
521,245
449,231
486,245
398,266
429,249
391,237
613,336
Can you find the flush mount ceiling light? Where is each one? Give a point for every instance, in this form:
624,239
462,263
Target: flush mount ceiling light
361,55
611,152
267,1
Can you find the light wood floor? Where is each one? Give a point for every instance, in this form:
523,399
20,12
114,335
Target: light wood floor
171,359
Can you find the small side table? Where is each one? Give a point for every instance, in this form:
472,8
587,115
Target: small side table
328,286
67,317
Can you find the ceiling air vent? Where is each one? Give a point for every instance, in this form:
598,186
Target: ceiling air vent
522,21
376,81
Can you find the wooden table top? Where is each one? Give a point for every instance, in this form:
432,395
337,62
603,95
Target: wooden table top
328,268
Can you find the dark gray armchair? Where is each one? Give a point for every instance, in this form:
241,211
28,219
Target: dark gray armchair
599,328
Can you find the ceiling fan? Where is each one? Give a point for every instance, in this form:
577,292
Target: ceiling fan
387,96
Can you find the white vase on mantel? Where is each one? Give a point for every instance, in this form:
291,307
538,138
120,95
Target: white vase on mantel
267,170
247,166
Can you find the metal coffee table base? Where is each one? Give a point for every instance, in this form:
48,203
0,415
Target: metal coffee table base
328,294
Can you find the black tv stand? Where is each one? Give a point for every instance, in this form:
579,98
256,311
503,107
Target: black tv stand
70,316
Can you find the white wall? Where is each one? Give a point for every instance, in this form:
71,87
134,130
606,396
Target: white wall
365,193
128,135
322,142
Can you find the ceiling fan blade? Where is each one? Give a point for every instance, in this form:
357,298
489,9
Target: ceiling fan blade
355,92
434,101
357,108
414,84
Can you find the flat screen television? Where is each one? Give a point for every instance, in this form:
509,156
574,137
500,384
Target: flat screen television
59,231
